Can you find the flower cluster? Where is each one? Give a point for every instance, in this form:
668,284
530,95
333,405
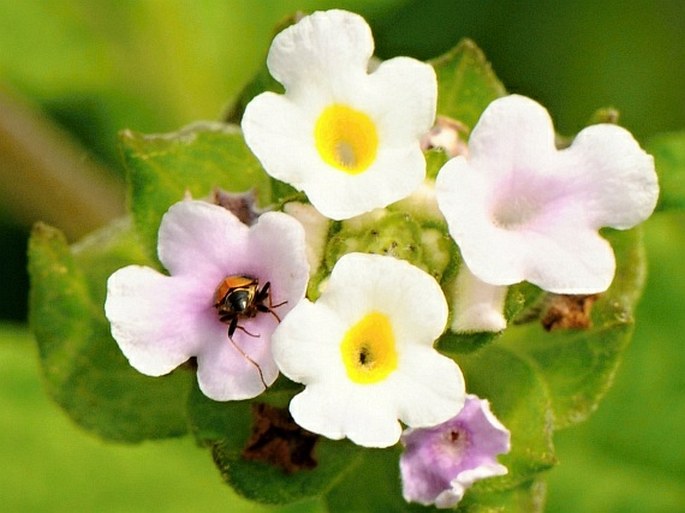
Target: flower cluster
349,134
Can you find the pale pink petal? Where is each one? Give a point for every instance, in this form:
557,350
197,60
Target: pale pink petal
161,321
201,239
234,371
279,256
157,320
514,133
579,262
614,179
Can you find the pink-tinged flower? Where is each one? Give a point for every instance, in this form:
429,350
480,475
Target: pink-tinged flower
440,463
161,321
520,209
347,137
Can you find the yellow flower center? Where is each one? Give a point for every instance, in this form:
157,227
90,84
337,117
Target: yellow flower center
368,349
346,138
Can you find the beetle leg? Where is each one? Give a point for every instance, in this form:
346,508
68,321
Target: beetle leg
232,326
263,293
247,332
255,364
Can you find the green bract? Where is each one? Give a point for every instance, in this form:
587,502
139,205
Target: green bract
537,381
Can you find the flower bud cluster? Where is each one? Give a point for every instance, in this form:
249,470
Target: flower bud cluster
344,294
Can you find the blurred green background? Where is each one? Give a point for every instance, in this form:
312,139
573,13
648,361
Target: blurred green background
72,73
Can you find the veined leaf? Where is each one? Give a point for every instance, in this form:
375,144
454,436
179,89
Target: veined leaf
227,429
578,365
466,83
85,372
163,169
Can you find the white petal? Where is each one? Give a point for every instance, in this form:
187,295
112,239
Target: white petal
198,238
338,412
315,49
281,134
401,98
411,297
427,389
306,344
395,174
157,320
614,178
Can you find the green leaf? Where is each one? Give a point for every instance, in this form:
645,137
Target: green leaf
466,83
669,156
381,468
578,366
163,169
85,372
520,400
226,429
528,497
374,486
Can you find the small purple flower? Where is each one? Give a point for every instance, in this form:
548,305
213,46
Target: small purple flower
440,463
161,321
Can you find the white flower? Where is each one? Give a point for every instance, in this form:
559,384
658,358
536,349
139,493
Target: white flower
365,352
348,138
520,209
161,321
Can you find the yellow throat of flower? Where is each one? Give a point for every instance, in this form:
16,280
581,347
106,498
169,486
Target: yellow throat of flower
346,138
368,349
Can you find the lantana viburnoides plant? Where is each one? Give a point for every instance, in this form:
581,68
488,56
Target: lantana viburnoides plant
387,286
